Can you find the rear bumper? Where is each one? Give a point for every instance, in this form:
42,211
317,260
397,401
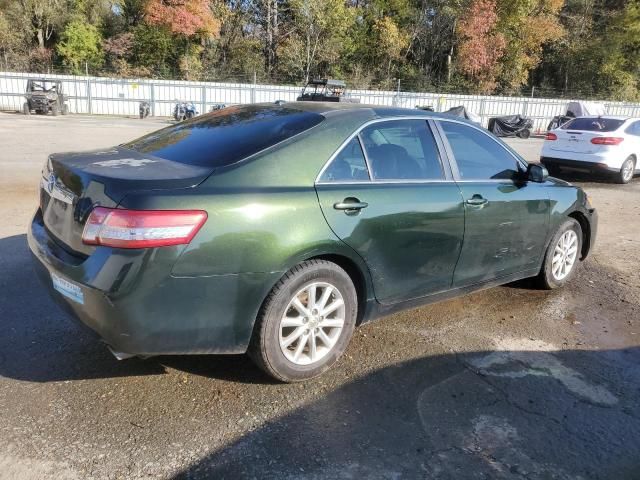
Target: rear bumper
130,298
596,166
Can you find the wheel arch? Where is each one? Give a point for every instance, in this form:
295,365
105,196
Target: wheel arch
357,276
355,268
585,226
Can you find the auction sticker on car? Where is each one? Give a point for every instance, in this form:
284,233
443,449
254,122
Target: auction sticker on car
68,289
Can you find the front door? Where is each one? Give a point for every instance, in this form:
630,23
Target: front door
396,208
506,218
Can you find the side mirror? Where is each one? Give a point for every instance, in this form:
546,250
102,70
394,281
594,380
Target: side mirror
537,173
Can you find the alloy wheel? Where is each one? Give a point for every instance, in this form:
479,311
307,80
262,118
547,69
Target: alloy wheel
564,255
627,170
312,323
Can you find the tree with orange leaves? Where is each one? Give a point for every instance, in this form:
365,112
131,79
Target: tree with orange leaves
183,17
480,45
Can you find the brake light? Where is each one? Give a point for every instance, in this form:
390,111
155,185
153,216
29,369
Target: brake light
551,136
119,228
607,140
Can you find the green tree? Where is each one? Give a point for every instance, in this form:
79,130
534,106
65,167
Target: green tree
80,44
620,70
154,50
318,36
527,25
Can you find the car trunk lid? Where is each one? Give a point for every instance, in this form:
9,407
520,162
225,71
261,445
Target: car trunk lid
74,183
574,141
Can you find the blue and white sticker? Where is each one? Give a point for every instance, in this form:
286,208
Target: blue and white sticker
68,289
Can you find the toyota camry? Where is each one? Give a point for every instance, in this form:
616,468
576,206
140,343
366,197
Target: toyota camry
276,229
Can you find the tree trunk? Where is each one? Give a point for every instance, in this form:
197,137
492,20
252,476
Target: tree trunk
271,40
40,34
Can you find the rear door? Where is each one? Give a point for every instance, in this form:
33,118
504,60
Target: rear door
506,220
633,137
388,195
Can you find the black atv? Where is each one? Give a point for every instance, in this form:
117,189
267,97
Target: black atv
326,90
44,96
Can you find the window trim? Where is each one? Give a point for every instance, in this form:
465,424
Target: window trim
453,163
430,122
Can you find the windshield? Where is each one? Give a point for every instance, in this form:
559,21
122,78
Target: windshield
226,136
593,124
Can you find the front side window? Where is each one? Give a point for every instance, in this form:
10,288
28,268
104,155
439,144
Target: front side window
402,150
348,166
479,156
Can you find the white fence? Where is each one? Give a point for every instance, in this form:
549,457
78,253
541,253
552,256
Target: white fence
113,96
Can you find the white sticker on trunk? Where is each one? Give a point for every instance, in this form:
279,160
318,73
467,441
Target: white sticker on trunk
68,289
124,162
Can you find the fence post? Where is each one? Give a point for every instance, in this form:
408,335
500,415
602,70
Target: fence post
89,106
152,100
75,95
482,108
253,88
203,99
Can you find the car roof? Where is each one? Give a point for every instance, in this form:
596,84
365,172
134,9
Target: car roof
609,117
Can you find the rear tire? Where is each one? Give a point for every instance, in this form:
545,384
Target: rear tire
626,171
524,134
562,256
296,337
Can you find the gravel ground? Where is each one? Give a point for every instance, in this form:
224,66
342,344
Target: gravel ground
509,383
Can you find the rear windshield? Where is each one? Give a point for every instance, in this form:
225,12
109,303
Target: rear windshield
226,136
593,124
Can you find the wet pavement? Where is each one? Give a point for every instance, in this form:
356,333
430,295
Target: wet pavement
508,383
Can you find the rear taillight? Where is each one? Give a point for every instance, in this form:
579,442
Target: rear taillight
119,228
607,140
550,136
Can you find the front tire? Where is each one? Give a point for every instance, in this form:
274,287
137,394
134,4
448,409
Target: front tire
626,171
562,256
306,322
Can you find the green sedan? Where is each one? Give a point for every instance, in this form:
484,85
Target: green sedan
276,229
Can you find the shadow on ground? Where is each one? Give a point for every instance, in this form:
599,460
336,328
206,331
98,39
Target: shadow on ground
521,411
511,413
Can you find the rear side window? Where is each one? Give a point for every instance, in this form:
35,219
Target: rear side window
597,124
348,166
478,155
634,129
226,136
402,150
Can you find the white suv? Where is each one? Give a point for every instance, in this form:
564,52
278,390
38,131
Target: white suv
595,144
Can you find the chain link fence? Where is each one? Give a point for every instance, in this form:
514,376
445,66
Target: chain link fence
114,96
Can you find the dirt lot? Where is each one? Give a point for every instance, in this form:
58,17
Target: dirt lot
512,383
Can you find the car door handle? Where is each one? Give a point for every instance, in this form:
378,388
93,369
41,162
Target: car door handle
350,204
477,200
